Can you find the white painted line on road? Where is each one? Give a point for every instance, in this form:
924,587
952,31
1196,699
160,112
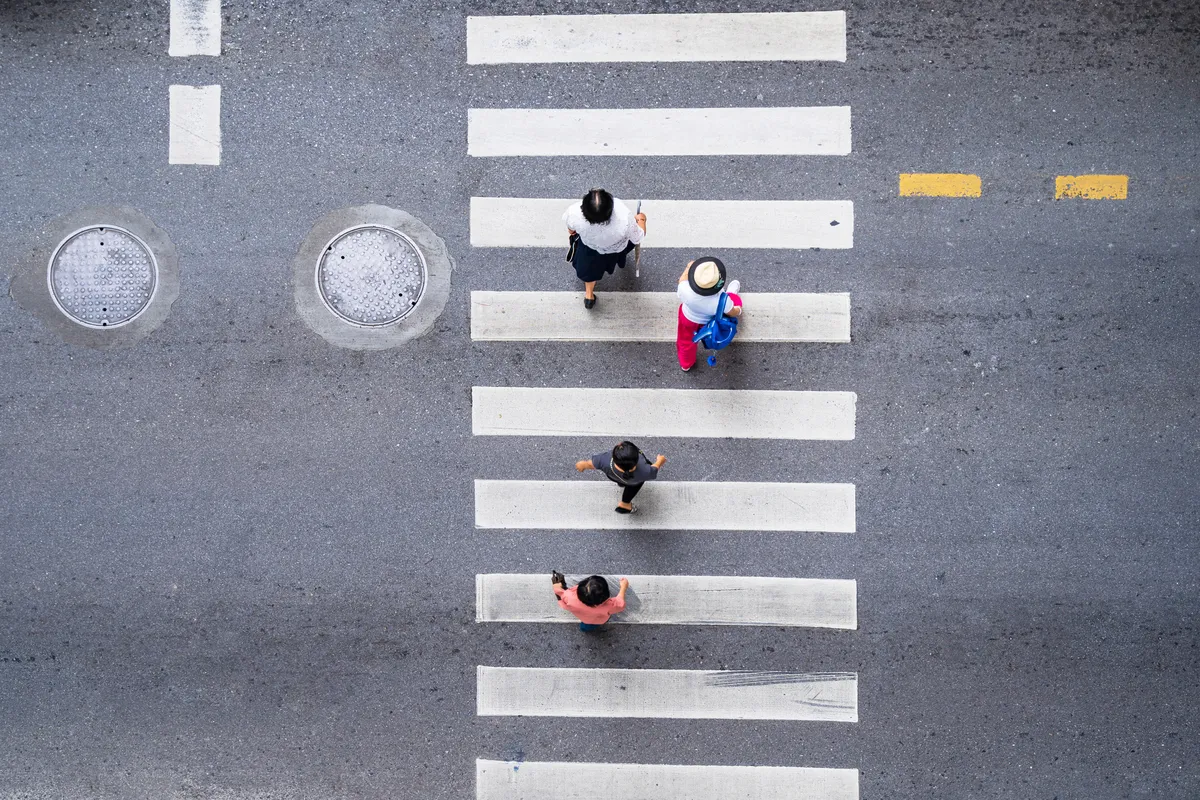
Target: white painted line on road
195,28
539,780
650,317
764,224
666,693
595,38
681,600
704,413
588,503
818,130
195,136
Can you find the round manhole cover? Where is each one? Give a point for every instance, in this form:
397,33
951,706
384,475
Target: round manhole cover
371,275
102,277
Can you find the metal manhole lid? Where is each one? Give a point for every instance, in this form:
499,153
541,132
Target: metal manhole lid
371,275
102,276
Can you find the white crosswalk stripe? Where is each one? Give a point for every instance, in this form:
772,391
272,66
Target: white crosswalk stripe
813,130
565,38
731,224
666,505
681,600
195,133
721,413
666,693
651,317
561,780
195,28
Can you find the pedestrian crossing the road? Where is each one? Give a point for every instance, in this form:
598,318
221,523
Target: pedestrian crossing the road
749,131
586,503
650,317
537,780
575,38
682,600
666,693
739,414
666,505
730,224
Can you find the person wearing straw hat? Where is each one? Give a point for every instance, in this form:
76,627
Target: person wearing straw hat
602,232
699,290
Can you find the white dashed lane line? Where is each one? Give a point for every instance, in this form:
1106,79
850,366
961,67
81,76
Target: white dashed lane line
195,136
195,28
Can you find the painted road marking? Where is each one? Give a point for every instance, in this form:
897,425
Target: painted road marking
666,505
537,780
651,317
729,224
195,28
681,600
712,413
195,136
594,38
939,184
1091,187
666,693
821,130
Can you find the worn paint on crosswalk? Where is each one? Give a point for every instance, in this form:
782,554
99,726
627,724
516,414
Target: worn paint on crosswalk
587,503
666,693
195,28
681,600
594,38
195,125
547,780
729,224
940,184
651,317
814,130
713,413
1091,187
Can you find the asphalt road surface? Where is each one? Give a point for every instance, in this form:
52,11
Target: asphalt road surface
237,561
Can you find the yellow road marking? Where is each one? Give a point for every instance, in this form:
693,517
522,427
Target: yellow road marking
1091,187
939,184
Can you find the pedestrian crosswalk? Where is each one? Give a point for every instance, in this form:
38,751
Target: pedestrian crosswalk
650,317
576,38
666,505
745,131
666,693
729,224
585,503
538,780
682,600
738,414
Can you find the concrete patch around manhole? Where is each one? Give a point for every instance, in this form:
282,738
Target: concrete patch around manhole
104,276
371,277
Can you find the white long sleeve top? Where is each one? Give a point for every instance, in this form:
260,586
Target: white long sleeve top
607,237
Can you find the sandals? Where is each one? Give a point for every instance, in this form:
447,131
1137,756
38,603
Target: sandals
589,304
620,510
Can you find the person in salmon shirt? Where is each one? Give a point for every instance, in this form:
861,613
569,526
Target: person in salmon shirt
589,600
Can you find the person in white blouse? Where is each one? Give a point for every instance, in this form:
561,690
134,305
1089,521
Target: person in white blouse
602,231
699,292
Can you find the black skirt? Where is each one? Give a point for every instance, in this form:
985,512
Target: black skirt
590,265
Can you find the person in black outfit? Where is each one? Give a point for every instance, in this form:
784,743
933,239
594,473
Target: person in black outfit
626,466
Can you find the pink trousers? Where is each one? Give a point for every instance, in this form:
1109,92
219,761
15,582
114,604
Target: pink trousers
685,348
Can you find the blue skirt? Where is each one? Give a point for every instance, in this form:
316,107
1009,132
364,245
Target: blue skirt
592,266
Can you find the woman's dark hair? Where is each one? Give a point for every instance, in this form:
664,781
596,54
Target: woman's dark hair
625,455
593,591
597,206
